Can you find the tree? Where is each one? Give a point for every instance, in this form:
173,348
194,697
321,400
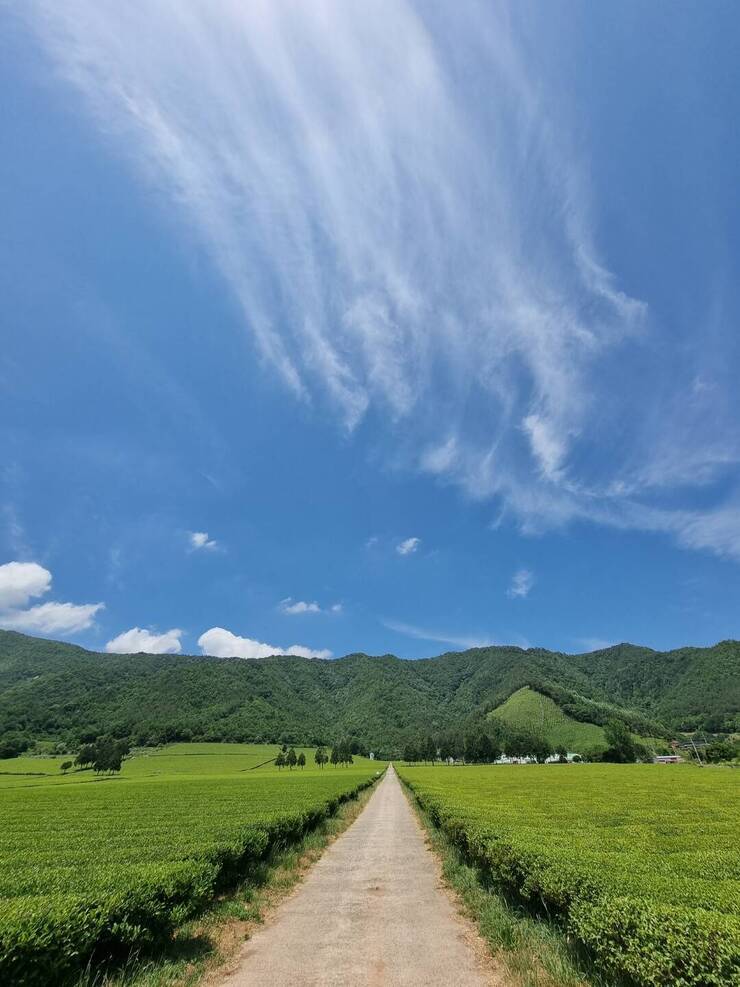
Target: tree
320,756
410,753
65,766
301,760
720,750
280,760
428,749
85,755
334,756
621,749
291,760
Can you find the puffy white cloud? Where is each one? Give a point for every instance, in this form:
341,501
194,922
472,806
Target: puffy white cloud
408,546
20,582
200,542
221,643
294,608
51,618
138,639
521,583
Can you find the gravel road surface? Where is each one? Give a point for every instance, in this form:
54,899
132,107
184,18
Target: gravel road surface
373,911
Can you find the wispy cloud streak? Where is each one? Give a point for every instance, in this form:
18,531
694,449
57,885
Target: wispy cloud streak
400,235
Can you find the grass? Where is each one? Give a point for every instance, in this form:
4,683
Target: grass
200,948
529,710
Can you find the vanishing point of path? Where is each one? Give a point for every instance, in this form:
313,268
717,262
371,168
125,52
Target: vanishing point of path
372,911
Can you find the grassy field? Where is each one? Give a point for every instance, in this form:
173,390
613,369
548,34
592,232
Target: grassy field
99,864
529,710
640,862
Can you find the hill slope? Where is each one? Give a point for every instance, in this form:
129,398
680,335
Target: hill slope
54,690
530,711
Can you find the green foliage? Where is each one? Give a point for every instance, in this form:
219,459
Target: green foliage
640,861
64,694
721,750
529,710
103,865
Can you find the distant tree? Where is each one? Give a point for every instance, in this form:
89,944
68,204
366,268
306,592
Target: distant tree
334,756
621,747
320,756
65,766
410,753
280,760
301,760
720,750
540,749
428,749
85,755
291,760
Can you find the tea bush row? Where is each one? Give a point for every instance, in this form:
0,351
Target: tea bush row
95,869
639,862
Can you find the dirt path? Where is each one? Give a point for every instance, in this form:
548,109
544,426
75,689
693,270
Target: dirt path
372,912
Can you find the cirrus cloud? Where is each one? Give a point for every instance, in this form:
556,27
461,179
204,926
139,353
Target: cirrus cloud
399,247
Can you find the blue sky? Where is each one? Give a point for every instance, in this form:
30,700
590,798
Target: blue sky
388,327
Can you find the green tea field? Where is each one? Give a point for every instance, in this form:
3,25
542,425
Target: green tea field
92,862
640,862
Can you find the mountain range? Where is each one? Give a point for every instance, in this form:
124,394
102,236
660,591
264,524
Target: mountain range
55,691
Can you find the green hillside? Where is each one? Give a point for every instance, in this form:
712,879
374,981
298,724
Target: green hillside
532,712
65,693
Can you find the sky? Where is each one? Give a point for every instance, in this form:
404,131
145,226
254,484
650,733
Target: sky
394,327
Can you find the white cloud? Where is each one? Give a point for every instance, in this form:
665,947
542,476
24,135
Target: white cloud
199,541
399,247
420,633
521,583
22,581
137,639
408,546
548,444
293,608
51,618
221,643
290,606
594,643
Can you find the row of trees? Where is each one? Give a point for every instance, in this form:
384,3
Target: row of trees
289,759
104,756
482,741
341,753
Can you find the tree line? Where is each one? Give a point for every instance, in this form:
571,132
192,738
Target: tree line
483,741
341,753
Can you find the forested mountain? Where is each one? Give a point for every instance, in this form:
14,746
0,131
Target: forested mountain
62,692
